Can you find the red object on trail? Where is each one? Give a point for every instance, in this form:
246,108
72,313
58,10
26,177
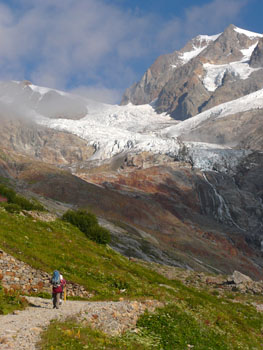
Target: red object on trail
57,289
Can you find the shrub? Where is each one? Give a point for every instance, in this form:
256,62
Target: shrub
8,193
88,223
19,200
80,218
12,207
99,234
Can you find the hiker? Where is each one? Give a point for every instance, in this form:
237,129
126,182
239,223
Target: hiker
63,284
56,288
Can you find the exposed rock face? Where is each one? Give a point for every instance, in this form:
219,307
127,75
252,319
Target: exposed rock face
184,93
183,88
51,146
227,48
152,81
161,71
230,201
256,60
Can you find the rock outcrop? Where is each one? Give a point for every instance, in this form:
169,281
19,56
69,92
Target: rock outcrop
236,282
256,60
50,146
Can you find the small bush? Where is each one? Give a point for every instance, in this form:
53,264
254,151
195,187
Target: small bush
20,201
88,224
8,193
80,218
99,234
12,208
120,283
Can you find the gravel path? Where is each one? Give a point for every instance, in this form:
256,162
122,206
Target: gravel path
21,330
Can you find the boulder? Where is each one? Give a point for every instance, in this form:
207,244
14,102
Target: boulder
240,278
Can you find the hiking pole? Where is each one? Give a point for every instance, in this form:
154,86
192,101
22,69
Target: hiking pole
65,294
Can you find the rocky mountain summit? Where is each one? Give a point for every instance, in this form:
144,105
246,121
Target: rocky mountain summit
207,72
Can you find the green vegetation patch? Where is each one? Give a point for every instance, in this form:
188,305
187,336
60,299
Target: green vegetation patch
70,335
10,301
176,328
88,224
192,317
59,245
16,202
171,328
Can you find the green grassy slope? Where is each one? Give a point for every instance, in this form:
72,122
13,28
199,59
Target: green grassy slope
191,316
59,245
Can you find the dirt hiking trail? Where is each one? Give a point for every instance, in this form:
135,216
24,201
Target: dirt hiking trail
21,330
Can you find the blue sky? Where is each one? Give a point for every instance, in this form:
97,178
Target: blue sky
100,47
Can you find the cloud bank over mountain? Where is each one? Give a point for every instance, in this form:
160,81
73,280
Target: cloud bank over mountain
94,43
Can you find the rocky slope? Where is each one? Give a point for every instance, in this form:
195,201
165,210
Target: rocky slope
47,145
169,213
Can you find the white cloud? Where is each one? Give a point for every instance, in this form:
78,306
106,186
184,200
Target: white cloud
99,93
93,43
210,18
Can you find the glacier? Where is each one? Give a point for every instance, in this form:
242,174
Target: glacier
114,129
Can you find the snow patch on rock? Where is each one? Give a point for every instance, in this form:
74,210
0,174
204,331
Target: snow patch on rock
239,69
215,73
198,47
187,56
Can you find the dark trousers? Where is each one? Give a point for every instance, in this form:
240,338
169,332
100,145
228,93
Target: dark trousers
55,298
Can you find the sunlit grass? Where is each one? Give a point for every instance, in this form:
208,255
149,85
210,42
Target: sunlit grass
207,321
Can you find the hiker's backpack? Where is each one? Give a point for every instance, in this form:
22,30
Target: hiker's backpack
55,280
